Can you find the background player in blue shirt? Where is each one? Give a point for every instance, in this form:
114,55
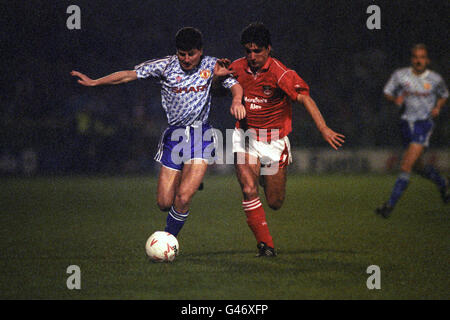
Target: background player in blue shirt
423,93
186,80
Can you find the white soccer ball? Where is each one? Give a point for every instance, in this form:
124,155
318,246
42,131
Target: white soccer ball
162,246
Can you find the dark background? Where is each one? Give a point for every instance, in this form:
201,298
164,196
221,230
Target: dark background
326,42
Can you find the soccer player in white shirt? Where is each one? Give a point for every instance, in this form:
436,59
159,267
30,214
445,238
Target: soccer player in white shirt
186,80
423,93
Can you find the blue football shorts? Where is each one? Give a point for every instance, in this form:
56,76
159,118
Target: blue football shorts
417,131
180,144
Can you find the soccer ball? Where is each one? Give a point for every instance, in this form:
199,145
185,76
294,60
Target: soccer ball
162,246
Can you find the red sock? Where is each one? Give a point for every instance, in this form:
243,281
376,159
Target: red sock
256,220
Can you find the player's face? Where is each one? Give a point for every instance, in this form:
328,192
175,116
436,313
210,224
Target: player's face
189,59
256,56
419,60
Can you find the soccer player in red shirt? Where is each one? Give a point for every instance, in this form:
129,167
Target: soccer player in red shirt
260,140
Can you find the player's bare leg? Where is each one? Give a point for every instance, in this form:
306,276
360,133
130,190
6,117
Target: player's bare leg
409,159
168,182
248,175
191,178
275,188
411,155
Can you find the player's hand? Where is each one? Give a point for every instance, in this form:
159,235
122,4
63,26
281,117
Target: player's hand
335,139
435,112
221,68
83,79
399,100
237,110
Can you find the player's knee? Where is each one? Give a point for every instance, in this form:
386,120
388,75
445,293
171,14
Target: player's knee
183,199
250,191
276,203
163,205
406,167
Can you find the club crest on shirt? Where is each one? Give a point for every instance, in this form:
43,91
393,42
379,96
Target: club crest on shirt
267,90
179,78
427,86
205,74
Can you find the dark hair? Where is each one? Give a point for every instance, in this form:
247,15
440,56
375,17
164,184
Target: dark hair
188,38
256,33
418,46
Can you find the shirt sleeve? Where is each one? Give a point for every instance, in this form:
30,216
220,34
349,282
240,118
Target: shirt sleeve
392,86
291,83
229,82
151,68
442,90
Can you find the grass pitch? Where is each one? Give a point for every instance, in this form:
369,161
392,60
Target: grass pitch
326,235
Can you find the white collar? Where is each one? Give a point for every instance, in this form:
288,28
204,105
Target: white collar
423,75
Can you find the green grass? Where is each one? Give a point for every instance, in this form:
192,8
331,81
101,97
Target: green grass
326,236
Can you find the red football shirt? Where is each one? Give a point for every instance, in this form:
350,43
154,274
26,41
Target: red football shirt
268,95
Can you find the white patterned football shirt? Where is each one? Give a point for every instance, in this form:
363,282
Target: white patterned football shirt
421,92
185,95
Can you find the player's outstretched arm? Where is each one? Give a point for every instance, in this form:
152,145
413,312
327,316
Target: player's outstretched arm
220,71
113,78
237,108
333,138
